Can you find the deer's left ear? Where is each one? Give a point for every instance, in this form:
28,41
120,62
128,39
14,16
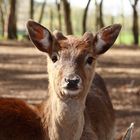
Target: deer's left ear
105,38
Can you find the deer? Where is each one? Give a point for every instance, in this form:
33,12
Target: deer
77,105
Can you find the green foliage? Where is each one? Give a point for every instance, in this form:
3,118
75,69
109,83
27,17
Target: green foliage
126,37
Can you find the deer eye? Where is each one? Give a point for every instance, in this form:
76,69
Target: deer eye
54,57
89,60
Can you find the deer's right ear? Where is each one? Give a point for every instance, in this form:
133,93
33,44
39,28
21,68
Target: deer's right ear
40,36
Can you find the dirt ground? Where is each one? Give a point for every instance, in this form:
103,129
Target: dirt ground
23,75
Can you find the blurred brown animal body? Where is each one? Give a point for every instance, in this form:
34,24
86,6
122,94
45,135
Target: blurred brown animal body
77,106
18,121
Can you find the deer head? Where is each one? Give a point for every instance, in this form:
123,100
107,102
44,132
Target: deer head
71,60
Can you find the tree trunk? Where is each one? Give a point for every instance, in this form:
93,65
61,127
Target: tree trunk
67,16
51,19
31,9
59,15
101,14
2,20
85,17
42,11
96,16
12,28
135,27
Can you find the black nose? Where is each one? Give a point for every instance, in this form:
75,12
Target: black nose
72,82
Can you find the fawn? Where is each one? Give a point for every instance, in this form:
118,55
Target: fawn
77,106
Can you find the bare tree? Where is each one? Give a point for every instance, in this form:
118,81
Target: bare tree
32,9
59,14
85,16
135,27
67,16
2,18
99,14
12,28
42,11
51,19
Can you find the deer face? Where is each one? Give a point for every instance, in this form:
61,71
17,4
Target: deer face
71,60
71,67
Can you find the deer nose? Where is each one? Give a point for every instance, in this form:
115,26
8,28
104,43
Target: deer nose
72,82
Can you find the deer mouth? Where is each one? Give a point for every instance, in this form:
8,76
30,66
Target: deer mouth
71,91
71,87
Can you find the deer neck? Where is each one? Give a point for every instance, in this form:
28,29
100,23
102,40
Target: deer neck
64,119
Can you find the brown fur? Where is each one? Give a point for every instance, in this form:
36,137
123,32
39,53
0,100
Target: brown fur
83,114
98,115
18,121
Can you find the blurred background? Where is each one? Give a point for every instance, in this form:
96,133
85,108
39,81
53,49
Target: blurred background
71,16
23,69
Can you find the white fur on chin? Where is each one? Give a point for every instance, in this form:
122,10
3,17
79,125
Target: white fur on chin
71,92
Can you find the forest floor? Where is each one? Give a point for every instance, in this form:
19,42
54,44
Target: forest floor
23,75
